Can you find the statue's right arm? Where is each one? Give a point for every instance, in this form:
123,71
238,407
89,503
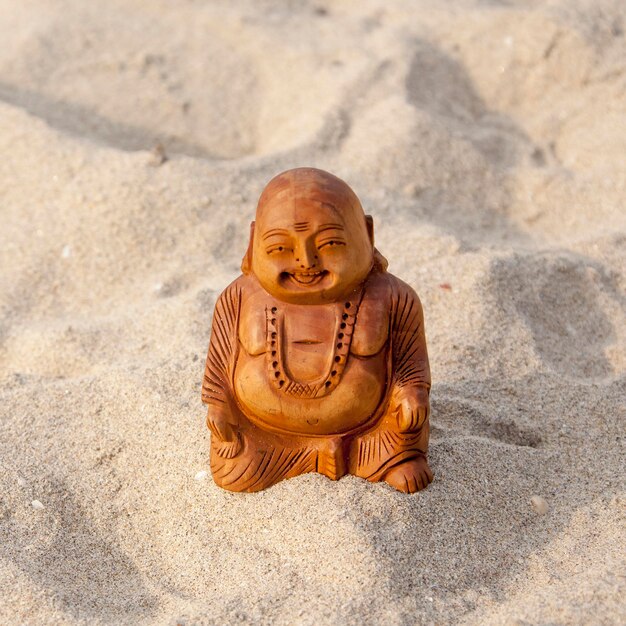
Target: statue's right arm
217,382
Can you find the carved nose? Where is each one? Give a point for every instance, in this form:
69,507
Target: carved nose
307,259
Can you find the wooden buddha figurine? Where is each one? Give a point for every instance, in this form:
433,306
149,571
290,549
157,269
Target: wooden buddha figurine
317,360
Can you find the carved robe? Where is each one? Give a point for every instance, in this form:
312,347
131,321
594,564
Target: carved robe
258,457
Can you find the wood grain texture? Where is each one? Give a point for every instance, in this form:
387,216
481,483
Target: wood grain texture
317,360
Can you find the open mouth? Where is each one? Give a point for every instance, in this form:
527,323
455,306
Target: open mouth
307,278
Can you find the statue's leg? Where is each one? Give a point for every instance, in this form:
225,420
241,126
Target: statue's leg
262,460
386,454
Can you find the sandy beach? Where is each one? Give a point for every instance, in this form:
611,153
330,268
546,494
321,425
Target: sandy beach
488,141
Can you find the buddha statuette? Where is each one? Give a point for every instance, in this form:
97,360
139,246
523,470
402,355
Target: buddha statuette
317,360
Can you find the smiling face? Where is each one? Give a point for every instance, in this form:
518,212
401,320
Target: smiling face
311,244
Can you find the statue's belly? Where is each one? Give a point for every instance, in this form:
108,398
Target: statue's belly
349,405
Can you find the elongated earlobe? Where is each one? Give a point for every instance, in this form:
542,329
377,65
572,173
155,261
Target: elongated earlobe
246,262
369,222
380,261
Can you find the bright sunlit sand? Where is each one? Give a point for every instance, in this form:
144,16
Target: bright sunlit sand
487,139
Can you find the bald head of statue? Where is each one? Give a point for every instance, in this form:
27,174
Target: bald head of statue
310,242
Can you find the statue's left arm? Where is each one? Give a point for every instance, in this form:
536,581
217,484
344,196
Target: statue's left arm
411,370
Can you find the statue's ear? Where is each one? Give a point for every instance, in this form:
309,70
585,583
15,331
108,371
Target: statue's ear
369,222
380,262
246,262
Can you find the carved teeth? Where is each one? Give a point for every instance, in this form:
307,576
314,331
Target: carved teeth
307,278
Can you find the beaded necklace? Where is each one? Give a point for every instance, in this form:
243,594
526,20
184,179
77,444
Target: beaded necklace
346,316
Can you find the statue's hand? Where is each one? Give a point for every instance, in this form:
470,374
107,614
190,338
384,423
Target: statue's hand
220,423
412,407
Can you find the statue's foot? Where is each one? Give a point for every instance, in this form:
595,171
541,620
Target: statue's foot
331,460
410,476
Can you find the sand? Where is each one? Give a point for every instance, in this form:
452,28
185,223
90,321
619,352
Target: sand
487,139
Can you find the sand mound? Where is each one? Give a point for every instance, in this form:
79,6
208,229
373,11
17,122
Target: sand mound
486,139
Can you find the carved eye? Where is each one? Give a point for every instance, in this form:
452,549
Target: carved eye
332,243
278,249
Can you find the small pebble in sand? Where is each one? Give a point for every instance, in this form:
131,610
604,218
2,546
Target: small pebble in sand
157,156
412,190
66,253
201,475
539,505
36,504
